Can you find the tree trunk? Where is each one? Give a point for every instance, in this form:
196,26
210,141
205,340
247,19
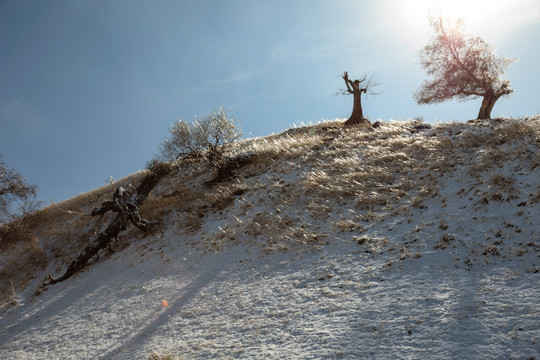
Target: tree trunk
91,250
120,223
488,102
357,116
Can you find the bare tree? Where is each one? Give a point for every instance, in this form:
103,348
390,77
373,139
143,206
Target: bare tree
357,88
17,198
206,137
463,67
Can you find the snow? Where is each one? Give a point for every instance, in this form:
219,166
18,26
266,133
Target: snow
301,264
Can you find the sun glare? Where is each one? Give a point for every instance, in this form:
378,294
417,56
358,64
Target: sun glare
474,12
485,17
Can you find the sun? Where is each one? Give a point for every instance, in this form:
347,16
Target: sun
495,21
478,14
470,10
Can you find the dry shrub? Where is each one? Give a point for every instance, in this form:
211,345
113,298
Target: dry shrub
220,198
20,268
418,202
13,233
372,244
207,137
501,181
320,210
159,167
348,225
260,224
189,203
190,220
445,241
22,256
155,208
475,138
516,129
392,159
17,198
503,188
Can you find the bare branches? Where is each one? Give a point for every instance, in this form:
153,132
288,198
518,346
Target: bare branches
205,137
127,206
365,85
17,198
347,82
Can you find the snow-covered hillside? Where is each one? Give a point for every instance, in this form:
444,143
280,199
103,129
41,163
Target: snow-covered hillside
410,240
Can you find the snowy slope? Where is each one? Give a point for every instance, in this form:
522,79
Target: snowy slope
409,241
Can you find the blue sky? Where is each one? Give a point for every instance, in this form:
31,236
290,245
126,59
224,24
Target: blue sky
89,88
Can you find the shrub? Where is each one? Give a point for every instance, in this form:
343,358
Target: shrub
205,138
158,167
17,198
14,232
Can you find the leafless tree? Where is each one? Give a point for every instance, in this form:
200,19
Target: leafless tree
462,67
357,88
206,137
17,198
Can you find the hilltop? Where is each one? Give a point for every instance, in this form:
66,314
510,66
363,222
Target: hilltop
410,240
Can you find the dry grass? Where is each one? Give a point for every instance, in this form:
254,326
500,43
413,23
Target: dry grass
373,169
157,356
56,233
369,169
299,177
15,233
26,253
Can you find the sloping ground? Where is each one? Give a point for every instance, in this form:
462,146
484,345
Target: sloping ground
51,238
409,241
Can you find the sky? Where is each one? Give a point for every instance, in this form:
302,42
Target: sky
89,88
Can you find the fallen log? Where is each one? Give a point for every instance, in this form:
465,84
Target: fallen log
127,208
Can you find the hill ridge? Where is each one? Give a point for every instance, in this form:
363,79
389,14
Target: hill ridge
408,239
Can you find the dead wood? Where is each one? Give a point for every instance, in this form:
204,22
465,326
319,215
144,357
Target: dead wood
124,203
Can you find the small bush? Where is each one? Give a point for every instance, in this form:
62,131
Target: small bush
17,198
15,232
159,167
22,256
205,138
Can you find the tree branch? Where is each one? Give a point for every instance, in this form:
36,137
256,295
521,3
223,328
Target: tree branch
347,81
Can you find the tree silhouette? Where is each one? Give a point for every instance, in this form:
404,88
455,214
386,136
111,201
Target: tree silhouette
463,67
357,88
15,192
